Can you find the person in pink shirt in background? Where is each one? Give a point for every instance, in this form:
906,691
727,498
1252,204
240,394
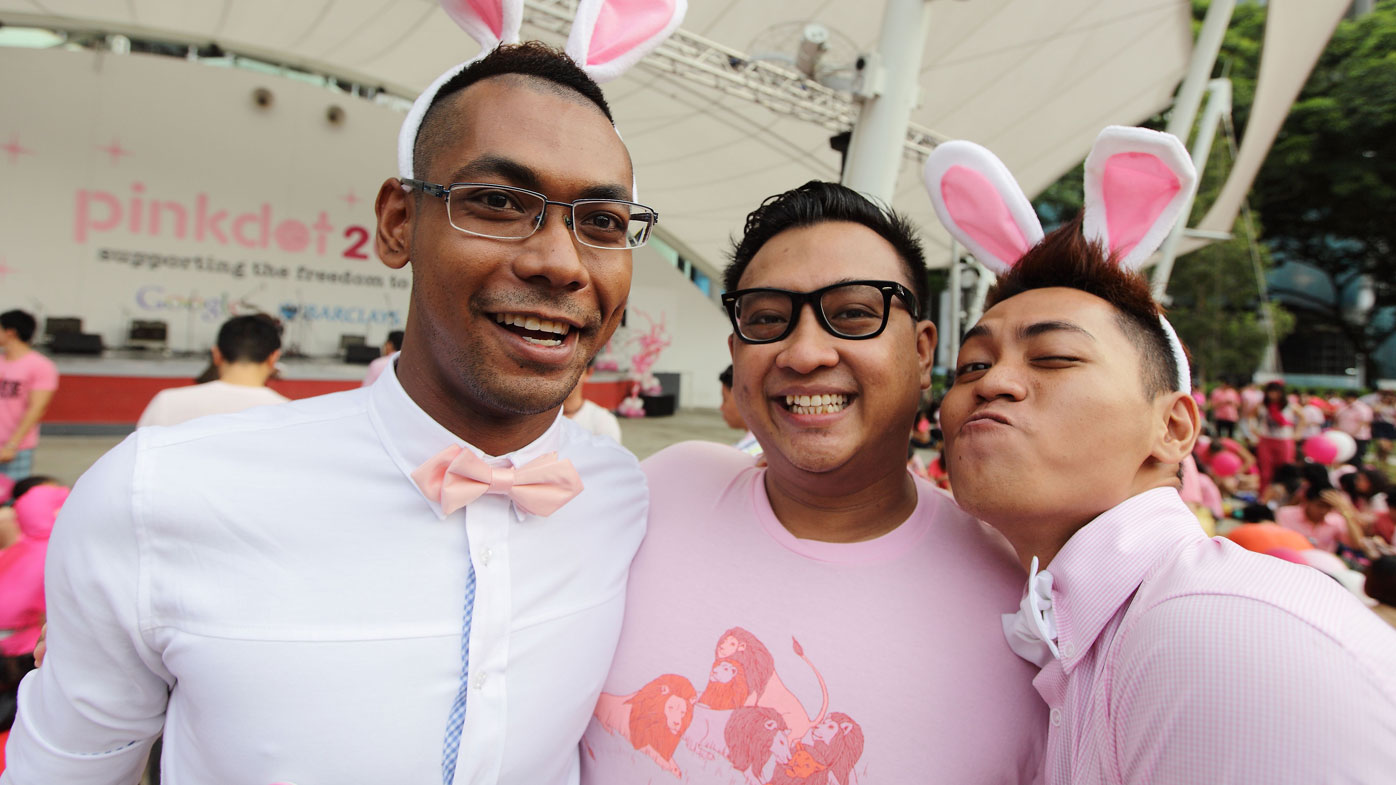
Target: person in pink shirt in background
390,348
22,570
1355,418
827,617
1165,656
1226,409
28,381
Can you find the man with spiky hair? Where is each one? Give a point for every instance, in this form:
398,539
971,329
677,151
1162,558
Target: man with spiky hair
823,615
1165,656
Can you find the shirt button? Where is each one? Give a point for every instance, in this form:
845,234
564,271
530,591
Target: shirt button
485,557
1056,718
1068,650
480,680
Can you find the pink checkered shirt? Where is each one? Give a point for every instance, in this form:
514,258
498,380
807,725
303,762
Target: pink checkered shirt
1184,659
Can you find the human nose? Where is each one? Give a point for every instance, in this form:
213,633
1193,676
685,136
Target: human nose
1001,380
809,346
551,253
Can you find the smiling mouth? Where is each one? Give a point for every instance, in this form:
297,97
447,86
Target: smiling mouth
817,404
534,329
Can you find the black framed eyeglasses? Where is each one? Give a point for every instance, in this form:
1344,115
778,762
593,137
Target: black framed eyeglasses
503,212
855,310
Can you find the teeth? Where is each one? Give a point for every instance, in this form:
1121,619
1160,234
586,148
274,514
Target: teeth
533,323
543,341
816,404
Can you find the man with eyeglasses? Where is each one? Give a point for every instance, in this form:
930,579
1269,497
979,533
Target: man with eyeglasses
826,617
418,581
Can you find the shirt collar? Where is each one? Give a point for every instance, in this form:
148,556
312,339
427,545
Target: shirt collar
411,436
1105,561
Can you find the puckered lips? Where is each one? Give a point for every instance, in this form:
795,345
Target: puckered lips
985,420
544,338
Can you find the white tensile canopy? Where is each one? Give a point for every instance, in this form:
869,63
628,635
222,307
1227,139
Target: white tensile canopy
1034,81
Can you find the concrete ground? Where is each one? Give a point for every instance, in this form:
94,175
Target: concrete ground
66,457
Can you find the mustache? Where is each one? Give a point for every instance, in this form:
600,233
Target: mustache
521,302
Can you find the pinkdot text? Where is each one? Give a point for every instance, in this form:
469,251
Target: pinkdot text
101,212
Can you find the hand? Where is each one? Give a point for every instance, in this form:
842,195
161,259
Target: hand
8,453
42,648
1339,501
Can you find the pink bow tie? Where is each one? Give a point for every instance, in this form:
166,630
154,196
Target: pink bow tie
456,477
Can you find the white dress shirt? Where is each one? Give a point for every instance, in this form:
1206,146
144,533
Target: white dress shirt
181,404
273,590
597,420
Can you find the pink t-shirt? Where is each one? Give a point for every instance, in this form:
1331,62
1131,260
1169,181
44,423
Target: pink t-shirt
18,378
1355,419
1188,659
1325,535
1226,404
748,655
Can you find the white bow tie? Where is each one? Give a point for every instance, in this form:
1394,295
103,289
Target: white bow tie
1032,631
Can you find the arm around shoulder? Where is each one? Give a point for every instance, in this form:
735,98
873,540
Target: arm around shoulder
89,715
1226,689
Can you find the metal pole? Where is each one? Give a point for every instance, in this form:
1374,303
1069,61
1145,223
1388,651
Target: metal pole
890,84
950,339
1204,57
981,290
1218,103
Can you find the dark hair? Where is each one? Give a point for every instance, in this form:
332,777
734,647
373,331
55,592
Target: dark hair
1271,386
244,339
533,60
22,323
395,338
1065,258
1381,580
817,202
1289,477
1257,513
28,484
1316,481
1376,483
726,376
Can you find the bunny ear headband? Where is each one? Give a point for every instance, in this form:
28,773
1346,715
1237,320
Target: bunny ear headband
607,38
1138,182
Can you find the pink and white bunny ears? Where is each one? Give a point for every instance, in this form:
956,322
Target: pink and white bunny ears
607,38
1138,182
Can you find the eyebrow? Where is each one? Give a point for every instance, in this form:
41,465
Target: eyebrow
1031,330
523,176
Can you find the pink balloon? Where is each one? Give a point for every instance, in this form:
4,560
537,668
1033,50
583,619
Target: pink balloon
1320,450
1225,464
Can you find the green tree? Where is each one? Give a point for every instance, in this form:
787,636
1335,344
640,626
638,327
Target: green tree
1328,187
1215,294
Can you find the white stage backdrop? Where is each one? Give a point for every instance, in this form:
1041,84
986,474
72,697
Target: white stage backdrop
138,187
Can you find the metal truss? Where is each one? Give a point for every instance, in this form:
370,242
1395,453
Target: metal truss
774,87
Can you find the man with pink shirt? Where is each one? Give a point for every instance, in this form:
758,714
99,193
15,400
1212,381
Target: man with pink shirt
826,617
27,383
1166,656
1354,417
1226,409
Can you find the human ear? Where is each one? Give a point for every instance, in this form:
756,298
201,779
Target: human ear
393,207
215,356
925,350
1179,425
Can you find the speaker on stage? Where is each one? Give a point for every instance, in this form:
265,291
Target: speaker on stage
57,325
76,343
361,355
